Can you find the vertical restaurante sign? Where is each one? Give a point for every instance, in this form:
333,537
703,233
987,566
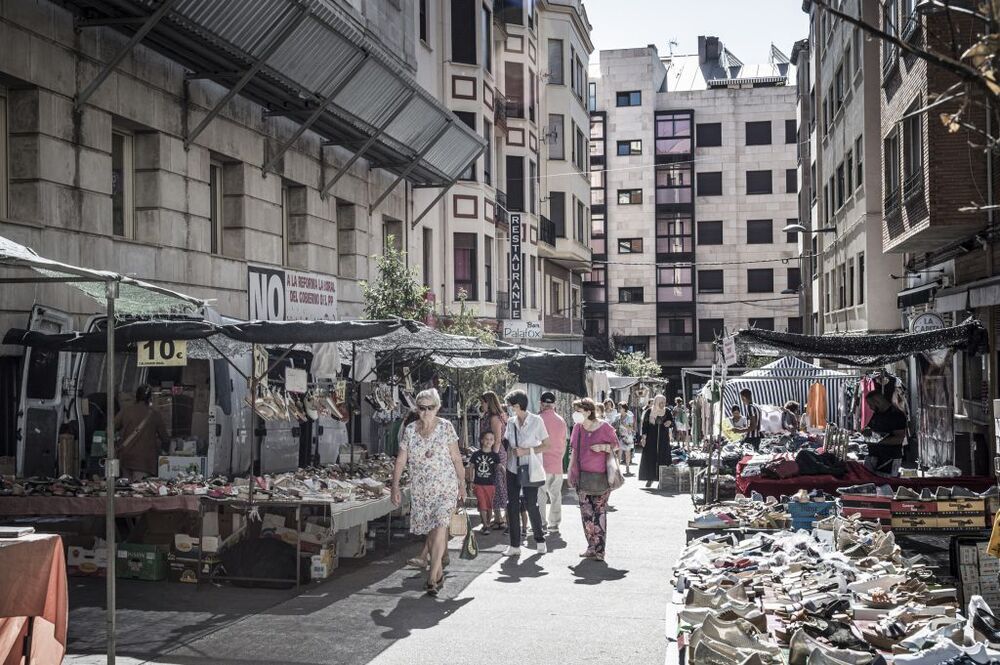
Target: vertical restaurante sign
515,266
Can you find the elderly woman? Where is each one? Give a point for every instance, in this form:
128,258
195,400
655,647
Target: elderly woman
656,423
429,450
590,444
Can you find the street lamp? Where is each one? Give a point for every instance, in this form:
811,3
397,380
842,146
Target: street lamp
798,228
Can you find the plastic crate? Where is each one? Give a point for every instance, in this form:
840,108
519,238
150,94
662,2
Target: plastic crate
137,561
809,510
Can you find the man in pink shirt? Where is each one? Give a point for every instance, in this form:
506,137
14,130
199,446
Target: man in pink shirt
552,460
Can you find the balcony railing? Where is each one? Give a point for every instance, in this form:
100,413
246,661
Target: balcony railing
561,325
503,305
515,108
547,231
501,214
913,186
499,110
890,205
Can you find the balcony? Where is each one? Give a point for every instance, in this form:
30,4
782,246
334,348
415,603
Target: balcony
501,213
561,325
675,347
547,231
567,252
890,205
503,305
499,109
913,186
514,108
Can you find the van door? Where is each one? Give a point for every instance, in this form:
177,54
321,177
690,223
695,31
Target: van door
40,412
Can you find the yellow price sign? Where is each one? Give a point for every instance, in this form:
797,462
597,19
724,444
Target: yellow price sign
162,353
260,362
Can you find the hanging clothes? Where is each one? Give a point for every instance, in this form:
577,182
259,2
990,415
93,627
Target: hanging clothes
867,386
816,406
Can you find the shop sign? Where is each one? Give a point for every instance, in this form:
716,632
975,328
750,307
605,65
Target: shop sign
162,353
275,294
515,266
295,380
927,322
522,330
729,350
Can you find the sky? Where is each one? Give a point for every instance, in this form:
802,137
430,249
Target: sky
746,27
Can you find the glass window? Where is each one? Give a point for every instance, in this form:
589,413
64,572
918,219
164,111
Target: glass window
673,183
759,133
765,323
591,97
424,21
630,245
673,284
849,170
122,186
629,196
913,147
463,31
760,232
710,233
710,329
469,120
597,136
629,148
795,325
709,134
791,236
889,26
532,185
860,173
629,98
794,277
215,181
673,134
556,66
790,132
760,280
759,182
791,181
4,152
488,266
710,183
286,200
629,294
594,285
557,212
891,157
515,183
673,233
488,152
465,264
487,43
514,90
710,281
861,278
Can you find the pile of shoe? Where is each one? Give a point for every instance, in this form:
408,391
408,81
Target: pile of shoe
742,512
842,595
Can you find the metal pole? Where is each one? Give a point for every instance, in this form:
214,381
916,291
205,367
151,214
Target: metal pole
110,467
354,380
412,165
251,419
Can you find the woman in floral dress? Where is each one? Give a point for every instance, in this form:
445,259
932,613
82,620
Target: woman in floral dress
493,419
429,451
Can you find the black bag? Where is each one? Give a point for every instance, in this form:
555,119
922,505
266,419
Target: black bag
470,548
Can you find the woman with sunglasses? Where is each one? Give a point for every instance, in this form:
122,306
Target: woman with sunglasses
429,451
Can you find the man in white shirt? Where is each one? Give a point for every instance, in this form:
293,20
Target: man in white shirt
525,435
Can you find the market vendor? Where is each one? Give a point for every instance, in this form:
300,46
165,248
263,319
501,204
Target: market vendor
889,423
751,433
790,417
143,436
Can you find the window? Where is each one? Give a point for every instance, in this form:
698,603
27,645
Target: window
710,183
794,277
791,134
826,203
766,323
673,284
557,145
760,280
513,11
557,212
913,150
596,187
515,184
760,232
597,136
759,133
627,148
581,151
710,329
673,183
488,152
891,157
841,286
791,181
859,176
629,294
514,90
889,23
593,285
532,185
812,182
849,171
827,282
487,44
910,19
428,251
791,236
630,98
674,334
424,21
465,264
858,51
630,245
841,186
795,325
591,97
673,233
581,78
709,135
629,197
532,94
709,233
469,120
555,297
861,278
463,31
122,186
598,241
488,266
838,87
759,182
850,283
215,185
556,65
581,221
673,135
710,281
847,65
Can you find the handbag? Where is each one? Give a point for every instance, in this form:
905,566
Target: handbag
459,524
614,473
589,482
470,548
525,477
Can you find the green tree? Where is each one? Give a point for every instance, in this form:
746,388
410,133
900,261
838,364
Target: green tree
636,364
396,293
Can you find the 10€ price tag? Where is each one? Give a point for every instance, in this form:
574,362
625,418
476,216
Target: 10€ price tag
162,353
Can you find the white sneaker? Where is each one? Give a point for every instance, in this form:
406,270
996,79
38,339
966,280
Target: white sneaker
541,548
512,551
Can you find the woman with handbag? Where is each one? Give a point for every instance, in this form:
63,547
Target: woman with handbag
657,422
493,419
591,444
526,439
429,450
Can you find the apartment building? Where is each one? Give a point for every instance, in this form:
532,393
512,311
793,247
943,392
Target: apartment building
694,161
845,235
514,73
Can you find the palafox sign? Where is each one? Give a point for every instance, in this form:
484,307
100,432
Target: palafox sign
276,294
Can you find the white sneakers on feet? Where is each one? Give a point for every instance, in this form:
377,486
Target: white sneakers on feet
512,551
541,548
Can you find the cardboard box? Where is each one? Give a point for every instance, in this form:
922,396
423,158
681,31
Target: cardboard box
352,543
87,562
139,561
970,589
969,521
185,570
968,555
320,571
189,546
171,466
989,584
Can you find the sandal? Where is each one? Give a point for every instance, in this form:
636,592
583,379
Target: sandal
434,587
417,562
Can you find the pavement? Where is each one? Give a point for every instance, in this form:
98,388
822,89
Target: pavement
551,608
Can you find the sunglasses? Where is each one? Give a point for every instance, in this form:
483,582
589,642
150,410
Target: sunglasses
425,407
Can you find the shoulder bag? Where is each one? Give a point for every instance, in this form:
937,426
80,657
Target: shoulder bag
590,483
470,548
528,472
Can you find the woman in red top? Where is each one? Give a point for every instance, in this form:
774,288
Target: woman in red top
590,444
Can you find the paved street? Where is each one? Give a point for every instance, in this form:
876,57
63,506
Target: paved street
541,609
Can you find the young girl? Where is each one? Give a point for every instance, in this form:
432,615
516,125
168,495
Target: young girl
484,463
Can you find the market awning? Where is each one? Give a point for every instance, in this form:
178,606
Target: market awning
563,372
981,293
309,60
867,350
917,295
281,333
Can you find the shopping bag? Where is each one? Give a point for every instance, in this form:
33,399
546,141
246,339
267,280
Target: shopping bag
470,548
615,477
459,524
536,470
